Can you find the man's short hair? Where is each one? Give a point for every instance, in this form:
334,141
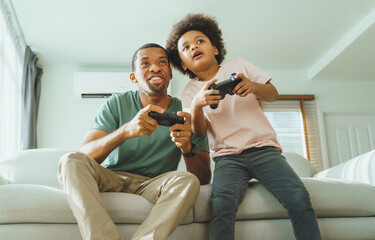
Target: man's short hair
147,45
199,22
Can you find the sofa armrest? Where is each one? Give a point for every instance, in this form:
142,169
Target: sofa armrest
359,169
300,165
3,181
33,166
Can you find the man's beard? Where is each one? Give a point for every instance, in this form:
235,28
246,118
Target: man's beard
156,90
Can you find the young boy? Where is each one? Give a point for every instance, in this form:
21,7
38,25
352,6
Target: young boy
243,140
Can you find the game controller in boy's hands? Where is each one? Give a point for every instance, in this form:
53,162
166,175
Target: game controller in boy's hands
225,87
166,119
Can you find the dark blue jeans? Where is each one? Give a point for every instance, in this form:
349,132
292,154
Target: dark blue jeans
266,164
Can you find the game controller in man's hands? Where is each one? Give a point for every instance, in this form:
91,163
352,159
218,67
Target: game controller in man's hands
225,87
166,119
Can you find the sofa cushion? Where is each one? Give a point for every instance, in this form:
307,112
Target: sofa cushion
28,203
330,198
37,166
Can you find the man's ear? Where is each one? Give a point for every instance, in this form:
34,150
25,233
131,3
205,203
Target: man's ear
132,78
216,52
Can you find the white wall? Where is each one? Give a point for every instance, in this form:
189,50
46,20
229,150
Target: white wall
64,120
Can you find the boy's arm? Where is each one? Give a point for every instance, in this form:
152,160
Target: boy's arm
203,98
198,122
266,92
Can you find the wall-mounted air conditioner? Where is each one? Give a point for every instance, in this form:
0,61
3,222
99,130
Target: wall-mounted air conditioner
101,84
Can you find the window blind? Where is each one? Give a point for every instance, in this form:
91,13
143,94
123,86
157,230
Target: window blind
294,120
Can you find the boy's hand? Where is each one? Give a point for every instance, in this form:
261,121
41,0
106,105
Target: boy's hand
245,87
206,97
142,124
180,133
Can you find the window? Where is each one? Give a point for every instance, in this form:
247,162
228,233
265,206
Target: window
294,119
11,58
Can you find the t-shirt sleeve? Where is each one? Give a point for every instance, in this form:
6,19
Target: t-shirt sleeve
106,119
255,74
200,143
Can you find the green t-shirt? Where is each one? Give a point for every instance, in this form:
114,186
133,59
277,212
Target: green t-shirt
146,155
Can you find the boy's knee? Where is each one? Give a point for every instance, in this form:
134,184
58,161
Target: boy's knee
223,203
301,201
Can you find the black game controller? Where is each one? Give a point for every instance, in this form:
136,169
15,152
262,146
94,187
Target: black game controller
225,87
166,119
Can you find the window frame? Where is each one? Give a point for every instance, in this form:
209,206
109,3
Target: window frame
315,160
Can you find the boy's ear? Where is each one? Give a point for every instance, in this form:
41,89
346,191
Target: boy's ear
216,52
183,65
132,78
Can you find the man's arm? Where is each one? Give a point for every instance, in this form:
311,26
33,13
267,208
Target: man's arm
199,165
98,144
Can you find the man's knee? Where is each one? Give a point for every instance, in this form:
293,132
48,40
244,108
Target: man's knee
188,179
71,160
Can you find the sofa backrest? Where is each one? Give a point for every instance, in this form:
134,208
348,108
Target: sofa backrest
37,166
300,165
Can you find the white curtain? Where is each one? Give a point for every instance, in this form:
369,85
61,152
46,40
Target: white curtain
12,47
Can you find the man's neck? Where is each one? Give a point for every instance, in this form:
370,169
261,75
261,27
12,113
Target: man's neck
160,100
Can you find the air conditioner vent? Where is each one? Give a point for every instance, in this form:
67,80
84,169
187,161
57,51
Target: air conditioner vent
96,95
101,84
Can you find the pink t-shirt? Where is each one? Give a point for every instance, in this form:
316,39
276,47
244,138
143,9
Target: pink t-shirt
238,123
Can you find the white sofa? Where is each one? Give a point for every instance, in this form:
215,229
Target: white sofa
33,206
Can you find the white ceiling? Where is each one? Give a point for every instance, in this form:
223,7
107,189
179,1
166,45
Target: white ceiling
328,39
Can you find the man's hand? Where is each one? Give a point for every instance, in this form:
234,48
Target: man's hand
206,97
142,124
245,87
180,133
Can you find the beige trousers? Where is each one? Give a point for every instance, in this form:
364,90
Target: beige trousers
82,179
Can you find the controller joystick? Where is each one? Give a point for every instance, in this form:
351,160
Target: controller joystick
166,119
225,87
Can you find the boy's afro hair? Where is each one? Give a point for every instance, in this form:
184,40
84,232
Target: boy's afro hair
199,22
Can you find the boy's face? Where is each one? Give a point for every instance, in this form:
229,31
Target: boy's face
152,71
196,51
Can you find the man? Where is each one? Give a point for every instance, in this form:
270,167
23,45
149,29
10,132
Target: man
137,156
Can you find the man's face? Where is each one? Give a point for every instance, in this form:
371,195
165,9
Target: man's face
152,70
